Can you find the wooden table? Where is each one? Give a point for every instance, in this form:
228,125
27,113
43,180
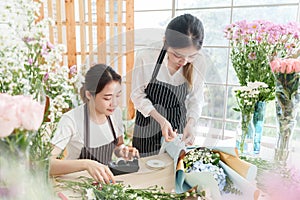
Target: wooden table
144,178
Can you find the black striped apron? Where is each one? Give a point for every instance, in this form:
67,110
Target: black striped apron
102,154
169,101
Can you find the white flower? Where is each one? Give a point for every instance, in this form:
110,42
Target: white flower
90,194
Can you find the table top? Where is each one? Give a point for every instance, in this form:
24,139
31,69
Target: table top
144,178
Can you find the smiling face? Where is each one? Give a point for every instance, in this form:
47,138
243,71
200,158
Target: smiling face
108,99
180,57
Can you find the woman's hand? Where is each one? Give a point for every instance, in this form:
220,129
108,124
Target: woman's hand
188,136
167,130
99,172
127,152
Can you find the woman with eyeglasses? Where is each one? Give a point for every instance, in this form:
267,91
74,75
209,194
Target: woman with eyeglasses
167,86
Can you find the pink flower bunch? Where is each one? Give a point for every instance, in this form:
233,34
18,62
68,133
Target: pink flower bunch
19,112
280,184
285,66
277,38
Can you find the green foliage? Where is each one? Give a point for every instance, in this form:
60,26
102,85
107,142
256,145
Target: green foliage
87,187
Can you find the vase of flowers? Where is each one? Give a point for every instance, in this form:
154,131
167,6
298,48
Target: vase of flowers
253,44
287,75
247,97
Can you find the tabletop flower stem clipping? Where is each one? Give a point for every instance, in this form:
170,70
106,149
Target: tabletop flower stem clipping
287,75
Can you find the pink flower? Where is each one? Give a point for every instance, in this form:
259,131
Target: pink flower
280,187
73,70
19,112
287,66
252,56
8,116
30,113
296,65
275,65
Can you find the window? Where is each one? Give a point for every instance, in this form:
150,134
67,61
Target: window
218,115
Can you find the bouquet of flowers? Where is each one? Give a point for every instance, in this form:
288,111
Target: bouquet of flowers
287,75
254,44
205,160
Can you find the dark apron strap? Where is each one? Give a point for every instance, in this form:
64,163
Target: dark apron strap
112,129
87,127
159,61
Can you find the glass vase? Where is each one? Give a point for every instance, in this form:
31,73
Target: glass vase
245,132
258,122
287,95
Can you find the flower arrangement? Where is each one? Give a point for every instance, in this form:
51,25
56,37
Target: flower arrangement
31,65
20,119
287,75
246,97
203,159
92,190
253,44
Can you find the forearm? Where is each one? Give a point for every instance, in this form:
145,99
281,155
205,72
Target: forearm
191,121
60,167
158,117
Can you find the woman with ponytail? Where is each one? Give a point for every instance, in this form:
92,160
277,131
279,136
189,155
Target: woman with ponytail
167,86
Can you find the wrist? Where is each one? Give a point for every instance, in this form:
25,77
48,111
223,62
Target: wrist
118,150
84,164
191,121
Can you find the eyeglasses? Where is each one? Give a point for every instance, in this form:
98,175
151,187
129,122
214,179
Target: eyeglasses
180,56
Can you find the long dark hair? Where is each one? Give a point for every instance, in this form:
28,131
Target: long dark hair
184,31
96,78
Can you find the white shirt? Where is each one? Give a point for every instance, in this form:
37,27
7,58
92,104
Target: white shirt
70,132
142,73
